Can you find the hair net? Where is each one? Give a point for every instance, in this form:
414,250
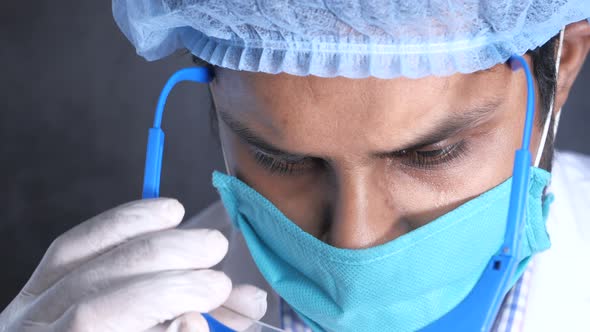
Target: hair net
351,38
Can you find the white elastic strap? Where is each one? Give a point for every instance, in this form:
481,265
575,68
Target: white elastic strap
556,124
550,115
227,170
224,158
219,131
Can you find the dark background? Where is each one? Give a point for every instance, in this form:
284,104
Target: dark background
76,105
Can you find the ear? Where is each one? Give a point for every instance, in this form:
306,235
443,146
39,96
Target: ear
576,44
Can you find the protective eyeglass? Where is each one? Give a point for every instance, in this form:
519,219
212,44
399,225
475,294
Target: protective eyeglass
479,309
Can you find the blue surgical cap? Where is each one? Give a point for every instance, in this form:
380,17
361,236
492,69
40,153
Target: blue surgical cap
351,38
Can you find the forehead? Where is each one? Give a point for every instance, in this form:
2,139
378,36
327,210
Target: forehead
304,110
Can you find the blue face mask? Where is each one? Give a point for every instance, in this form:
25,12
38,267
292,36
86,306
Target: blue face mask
402,285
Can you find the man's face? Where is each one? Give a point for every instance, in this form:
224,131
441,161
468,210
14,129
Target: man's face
359,162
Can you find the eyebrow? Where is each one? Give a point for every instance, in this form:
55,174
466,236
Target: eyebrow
454,124
449,127
247,134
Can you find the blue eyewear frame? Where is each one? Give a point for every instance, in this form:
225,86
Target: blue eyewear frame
479,309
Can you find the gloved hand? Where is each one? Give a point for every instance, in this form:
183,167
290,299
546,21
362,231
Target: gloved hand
130,270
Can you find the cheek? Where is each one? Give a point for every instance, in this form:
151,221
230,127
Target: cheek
422,196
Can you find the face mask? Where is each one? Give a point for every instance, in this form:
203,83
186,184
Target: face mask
402,285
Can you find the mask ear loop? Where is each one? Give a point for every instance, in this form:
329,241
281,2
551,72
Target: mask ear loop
547,124
225,160
227,169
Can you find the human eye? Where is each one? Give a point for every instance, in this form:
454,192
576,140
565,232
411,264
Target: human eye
281,165
432,158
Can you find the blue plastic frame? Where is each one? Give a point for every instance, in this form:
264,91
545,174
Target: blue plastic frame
155,151
493,285
478,310
155,146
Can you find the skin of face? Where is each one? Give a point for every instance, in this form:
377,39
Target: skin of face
360,162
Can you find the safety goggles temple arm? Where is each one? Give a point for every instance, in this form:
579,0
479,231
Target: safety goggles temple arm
521,170
478,310
155,146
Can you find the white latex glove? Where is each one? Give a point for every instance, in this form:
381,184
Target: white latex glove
130,270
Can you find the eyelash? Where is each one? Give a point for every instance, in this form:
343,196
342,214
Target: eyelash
282,167
430,159
419,159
